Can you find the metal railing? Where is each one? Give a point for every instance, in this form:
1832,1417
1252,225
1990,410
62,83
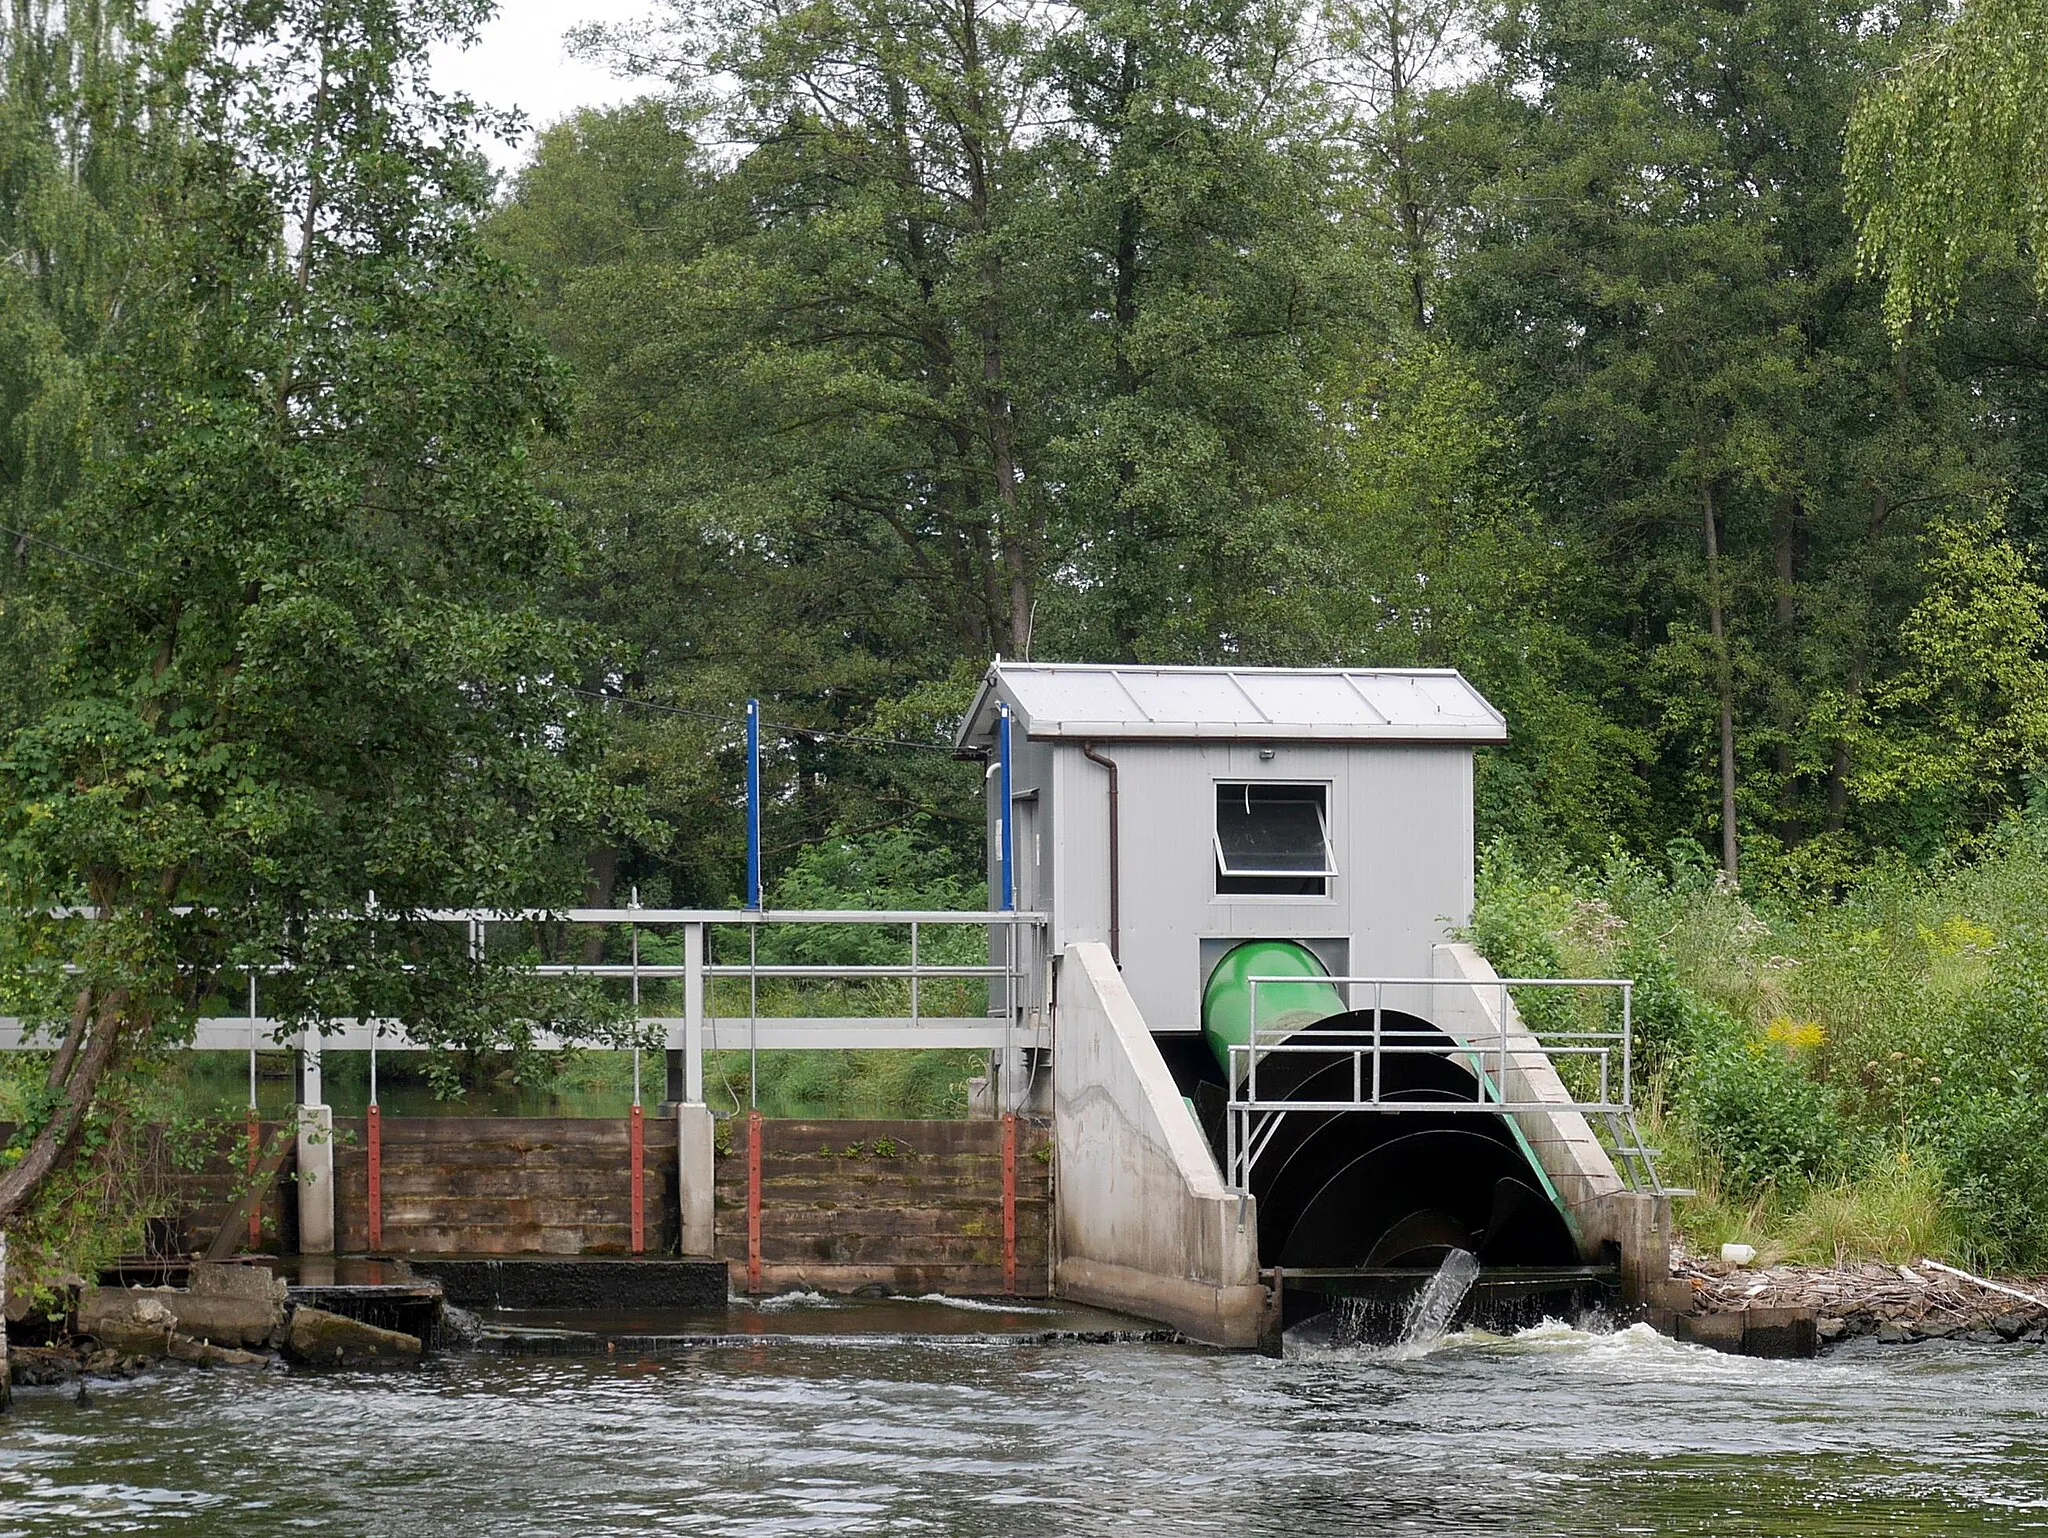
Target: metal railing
1507,1058
1016,975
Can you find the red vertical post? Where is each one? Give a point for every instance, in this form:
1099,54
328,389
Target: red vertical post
373,1138
753,1201
1010,1205
639,1184
255,1207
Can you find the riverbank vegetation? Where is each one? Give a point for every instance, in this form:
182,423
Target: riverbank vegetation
1675,371
1861,1076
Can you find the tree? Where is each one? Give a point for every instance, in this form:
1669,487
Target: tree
85,130
1947,154
1967,716
914,333
303,694
1662,280
847,331
1389,59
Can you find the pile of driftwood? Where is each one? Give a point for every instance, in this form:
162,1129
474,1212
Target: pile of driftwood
1922,1301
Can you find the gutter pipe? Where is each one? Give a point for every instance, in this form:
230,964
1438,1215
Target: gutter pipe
1115,882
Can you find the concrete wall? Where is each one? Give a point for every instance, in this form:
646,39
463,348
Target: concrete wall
1400,822
1575,1160
1142,1220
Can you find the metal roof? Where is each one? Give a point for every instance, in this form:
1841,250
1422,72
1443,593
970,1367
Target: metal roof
1115,702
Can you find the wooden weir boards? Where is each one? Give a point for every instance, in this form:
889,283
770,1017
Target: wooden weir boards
504,1185
926,1206
913,1206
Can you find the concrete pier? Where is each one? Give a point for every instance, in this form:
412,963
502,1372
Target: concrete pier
1143,1222
697,1178
1606,1217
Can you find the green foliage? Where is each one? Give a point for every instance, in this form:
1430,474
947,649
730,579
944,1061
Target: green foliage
1945,154
1529,342
296,555
903,868
906,868
1966,719
93,1209
915,1086
365,535
1759,1113
1897,1211
1612,921
1816,1069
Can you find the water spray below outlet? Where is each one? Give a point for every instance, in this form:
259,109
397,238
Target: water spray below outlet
1436,1305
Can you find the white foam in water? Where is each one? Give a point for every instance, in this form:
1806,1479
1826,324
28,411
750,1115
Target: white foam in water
980,1305
783,1300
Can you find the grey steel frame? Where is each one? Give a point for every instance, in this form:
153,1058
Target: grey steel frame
1250,1123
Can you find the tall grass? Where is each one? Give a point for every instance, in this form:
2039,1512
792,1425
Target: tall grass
1896,1211
1849,1077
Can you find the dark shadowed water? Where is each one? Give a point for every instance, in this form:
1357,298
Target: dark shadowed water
1552,1432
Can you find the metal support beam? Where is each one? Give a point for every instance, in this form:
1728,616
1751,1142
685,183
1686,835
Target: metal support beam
754,806
693,1014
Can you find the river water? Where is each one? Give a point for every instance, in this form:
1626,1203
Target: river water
851,1421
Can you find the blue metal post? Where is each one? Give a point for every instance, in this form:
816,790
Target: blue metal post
753,806
1009,853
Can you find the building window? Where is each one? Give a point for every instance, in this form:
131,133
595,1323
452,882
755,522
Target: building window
1273,840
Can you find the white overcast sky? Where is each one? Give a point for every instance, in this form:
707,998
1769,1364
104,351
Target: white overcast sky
519,61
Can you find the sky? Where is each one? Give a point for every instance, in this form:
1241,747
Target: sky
519,61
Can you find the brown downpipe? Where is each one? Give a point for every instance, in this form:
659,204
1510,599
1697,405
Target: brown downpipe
1115,886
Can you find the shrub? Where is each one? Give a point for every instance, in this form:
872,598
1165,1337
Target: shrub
1758,1112
1805,1042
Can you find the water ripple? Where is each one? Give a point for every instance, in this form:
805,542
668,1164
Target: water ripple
1553,1433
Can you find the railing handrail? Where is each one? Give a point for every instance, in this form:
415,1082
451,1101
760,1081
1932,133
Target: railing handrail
632,915
1019,1022
1461,982
1250,1120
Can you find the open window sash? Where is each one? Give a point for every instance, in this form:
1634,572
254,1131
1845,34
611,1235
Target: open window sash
1274,837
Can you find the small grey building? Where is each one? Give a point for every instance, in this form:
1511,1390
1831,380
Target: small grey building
1173,812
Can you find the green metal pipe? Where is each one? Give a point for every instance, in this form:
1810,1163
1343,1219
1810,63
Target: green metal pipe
1227,1000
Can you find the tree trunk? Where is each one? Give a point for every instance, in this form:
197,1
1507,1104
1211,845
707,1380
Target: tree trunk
6,1371
1123,321
1124,308
975,602
1016,537
1400,144
603,863
1859,664
1784,541
1724,680
99,1022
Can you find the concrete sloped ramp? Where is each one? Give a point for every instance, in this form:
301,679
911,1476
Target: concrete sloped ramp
1143,1223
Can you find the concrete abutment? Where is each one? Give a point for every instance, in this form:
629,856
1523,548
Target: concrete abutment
1143,1221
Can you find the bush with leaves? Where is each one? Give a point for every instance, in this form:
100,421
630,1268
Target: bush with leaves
1758,1111
1819,1064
